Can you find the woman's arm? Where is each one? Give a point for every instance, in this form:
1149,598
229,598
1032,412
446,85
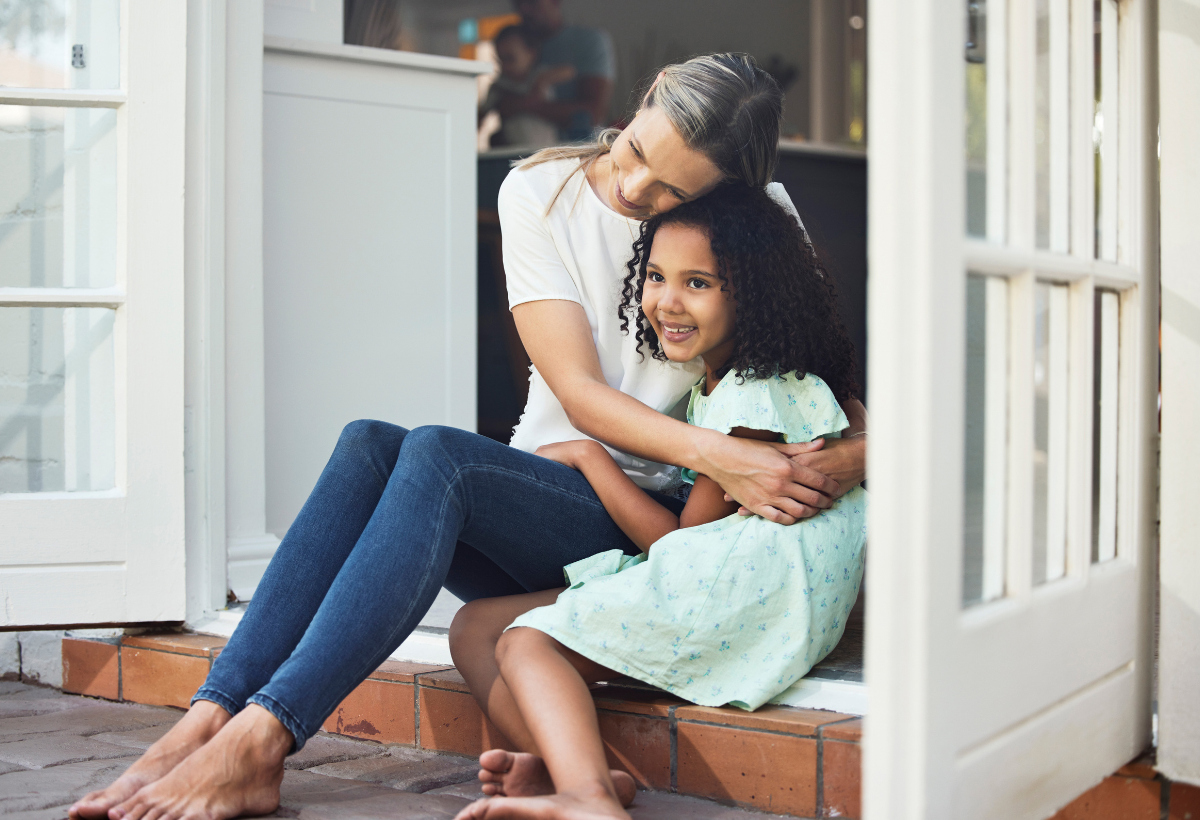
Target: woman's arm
768,479
638,515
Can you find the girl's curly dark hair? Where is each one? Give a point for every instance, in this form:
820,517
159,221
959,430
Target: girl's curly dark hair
787,317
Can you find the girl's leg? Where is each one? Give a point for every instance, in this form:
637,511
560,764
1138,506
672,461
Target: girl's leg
474,634
528,515
549,683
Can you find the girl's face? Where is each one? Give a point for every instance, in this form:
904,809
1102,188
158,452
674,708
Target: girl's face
651,169
683,300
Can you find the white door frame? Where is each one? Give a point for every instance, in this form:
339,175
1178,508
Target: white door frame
1179,574
958,728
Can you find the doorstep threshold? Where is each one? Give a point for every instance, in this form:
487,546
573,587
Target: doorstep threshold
431,645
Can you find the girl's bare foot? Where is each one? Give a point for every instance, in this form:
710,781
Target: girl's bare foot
567,806
238,772
518,774
196,728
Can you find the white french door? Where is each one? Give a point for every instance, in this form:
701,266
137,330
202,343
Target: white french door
1013,311
91,311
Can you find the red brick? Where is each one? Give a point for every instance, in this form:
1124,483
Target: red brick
776,773
847,730
160,678
1116,798
91,668
451,721
841,771
784,719
634,701
403,671
204,646
639,745
1184,802
376,710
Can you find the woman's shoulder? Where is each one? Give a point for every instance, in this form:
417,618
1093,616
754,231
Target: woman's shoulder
537,183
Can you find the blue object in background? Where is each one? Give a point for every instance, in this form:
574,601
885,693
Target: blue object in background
468,31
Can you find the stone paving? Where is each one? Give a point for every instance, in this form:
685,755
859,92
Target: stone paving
55,748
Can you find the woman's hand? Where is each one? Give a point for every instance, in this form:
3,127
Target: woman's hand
841,461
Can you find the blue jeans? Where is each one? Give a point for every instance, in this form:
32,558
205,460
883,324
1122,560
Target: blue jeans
395,516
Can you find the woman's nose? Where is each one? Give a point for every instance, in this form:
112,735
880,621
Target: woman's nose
634,186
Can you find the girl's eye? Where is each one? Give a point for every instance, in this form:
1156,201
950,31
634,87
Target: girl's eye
697,284
654,277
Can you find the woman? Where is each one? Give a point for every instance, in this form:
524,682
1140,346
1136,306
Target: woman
396,514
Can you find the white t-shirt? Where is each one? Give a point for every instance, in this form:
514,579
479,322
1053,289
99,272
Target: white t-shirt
578,253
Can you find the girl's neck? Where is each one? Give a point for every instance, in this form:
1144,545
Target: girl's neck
714,364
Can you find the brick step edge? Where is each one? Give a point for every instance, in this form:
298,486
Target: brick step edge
800,762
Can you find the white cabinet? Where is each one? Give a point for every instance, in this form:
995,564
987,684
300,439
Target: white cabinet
369,250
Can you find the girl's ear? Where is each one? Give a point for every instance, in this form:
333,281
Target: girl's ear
653,86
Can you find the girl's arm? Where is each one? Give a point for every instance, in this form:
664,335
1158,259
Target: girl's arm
638,515
768,479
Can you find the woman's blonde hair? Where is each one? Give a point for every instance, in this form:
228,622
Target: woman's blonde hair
723,105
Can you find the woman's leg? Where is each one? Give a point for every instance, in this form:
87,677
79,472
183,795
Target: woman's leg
287,597
474,636
549,683
527,515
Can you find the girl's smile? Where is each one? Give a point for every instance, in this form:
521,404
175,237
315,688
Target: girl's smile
684,301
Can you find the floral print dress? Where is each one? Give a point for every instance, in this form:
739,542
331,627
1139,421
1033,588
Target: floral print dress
736,610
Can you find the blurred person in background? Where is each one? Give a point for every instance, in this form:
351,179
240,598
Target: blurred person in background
521,77
374,23
579,105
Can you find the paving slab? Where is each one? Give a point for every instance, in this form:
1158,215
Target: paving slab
410,770
315,797
139,739
21,706
93,718
322,749
12,687
50,792
43,751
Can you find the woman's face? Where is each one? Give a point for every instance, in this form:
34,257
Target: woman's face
651,169
683,300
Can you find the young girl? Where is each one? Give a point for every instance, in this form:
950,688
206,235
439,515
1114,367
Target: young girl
719,608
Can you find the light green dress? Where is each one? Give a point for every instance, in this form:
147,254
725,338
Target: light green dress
736,610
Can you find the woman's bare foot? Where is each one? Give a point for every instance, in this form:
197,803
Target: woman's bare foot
594,806
196,728
518,774
237,772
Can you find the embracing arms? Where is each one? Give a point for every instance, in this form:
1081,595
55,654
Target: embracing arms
638,515
780,482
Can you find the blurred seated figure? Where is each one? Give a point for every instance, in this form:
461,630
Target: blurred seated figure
374,23
578,105
521,81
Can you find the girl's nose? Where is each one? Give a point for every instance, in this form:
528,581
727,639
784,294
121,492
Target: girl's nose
671,299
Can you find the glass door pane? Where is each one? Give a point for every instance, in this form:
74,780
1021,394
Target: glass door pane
57,399
1105,375
60,44
1050,374
985,462
58,195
